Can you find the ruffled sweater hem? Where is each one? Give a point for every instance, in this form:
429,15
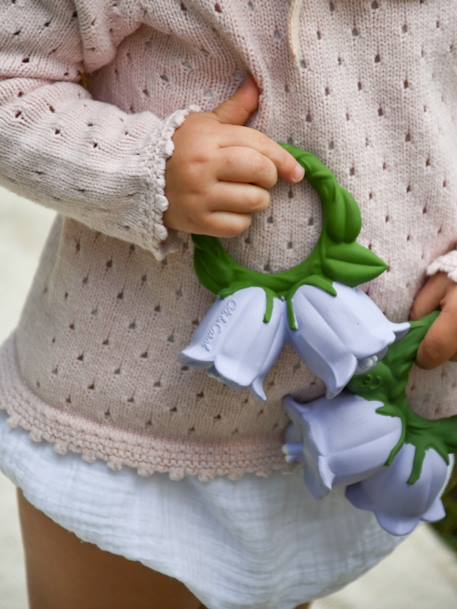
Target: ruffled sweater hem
119,448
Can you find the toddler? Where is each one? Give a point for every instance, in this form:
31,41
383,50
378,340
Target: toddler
141,122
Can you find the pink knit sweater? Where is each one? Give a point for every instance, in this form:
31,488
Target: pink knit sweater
92,366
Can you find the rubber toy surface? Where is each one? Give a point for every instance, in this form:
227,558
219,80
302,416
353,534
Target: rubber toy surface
313,305
363,433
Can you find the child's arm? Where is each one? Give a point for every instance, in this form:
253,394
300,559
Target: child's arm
84,158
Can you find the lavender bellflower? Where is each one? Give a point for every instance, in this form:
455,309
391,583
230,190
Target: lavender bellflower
397,505
234,343
339,336
340,441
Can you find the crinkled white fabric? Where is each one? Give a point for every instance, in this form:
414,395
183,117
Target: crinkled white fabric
253,543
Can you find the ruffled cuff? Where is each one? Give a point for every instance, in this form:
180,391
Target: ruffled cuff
446,263
158,238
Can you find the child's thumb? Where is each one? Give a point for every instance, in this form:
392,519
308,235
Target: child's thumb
237,109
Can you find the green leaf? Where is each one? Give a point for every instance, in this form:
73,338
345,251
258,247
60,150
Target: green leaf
319,282
208,244
351,263
334,216
213,265
353,217
205,277
342,217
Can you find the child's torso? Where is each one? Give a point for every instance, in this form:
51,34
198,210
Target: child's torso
374,96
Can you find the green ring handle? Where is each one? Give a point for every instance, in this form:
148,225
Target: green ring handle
336,256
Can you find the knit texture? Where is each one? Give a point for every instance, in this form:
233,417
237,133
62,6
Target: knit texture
92,365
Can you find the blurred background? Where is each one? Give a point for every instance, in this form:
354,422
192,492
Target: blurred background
421,572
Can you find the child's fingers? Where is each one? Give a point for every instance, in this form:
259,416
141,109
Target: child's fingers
236,135
226,224
243,164
238,198
440,342
238,108
429,296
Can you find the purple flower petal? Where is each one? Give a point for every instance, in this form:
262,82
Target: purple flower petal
339,336
397,505
343,440
234,343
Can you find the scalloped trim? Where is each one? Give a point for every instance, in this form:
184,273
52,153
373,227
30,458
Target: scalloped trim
446,263
160,240
118,448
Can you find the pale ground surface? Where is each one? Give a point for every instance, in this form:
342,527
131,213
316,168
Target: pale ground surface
420,574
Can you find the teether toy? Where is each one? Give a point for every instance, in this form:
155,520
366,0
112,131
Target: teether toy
337,329
363,434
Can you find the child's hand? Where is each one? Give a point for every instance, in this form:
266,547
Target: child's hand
440,342
220,172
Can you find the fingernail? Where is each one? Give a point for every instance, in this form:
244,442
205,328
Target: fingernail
298,173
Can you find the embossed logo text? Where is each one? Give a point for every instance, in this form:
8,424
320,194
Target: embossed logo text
219,324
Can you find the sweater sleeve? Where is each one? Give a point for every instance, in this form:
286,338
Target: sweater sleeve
446,263
59,147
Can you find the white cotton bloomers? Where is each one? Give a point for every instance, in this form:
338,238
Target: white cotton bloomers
257,542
